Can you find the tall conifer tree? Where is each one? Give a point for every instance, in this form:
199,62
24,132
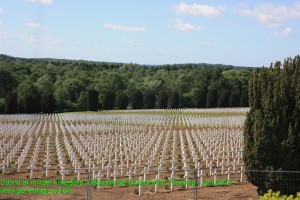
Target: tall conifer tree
272,127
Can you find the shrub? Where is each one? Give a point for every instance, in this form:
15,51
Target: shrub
277,196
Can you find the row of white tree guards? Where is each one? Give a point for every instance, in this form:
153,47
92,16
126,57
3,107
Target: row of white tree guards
153,144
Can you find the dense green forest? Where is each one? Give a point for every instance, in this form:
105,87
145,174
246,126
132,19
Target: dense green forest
48,85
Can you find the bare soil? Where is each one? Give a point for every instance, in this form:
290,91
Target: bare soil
237,191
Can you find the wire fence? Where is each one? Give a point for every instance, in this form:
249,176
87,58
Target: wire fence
287,182
91,183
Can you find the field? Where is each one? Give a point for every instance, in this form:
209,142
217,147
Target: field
110,154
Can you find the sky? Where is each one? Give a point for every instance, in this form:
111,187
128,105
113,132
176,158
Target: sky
248,33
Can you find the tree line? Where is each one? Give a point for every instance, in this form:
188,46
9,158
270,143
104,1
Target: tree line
53,85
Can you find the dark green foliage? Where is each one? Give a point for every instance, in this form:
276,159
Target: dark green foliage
244,98
137,100
186,101
162,99
122,100
235,98
73,88
29,97
44,84
223,100
2,105
82,102
47,102
92,100
212,99
149,99
197,85
199,98
32,102
108,100
173,101
11,104
20,106
272,127
7,82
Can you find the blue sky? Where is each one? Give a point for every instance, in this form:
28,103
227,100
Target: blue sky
243,33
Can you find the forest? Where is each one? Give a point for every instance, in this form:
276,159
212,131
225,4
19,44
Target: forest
58,85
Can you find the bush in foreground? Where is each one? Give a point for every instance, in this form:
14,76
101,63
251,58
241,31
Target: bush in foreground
272,128
277,196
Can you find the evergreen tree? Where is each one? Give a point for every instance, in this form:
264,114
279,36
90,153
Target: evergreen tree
47,102
122,100
234,99
11,104
7,82
149,99
137,100
272,127
199,98
2,105
244,98
212,99
32,102
108,100
82,101
223,100
92,100
173,101
162,99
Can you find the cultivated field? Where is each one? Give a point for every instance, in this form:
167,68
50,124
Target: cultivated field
147,154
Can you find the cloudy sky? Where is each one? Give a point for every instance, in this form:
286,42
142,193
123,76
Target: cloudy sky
244,33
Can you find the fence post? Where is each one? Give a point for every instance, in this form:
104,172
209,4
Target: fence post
196,185
88,189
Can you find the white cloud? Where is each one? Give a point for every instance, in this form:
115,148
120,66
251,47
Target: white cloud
45,2
31,39
161,51
198,9
99,46
285,32
50,41
44,41
205,43
180,25
4,36
47,41
124,28
274,15
33,25
1,10
130,42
